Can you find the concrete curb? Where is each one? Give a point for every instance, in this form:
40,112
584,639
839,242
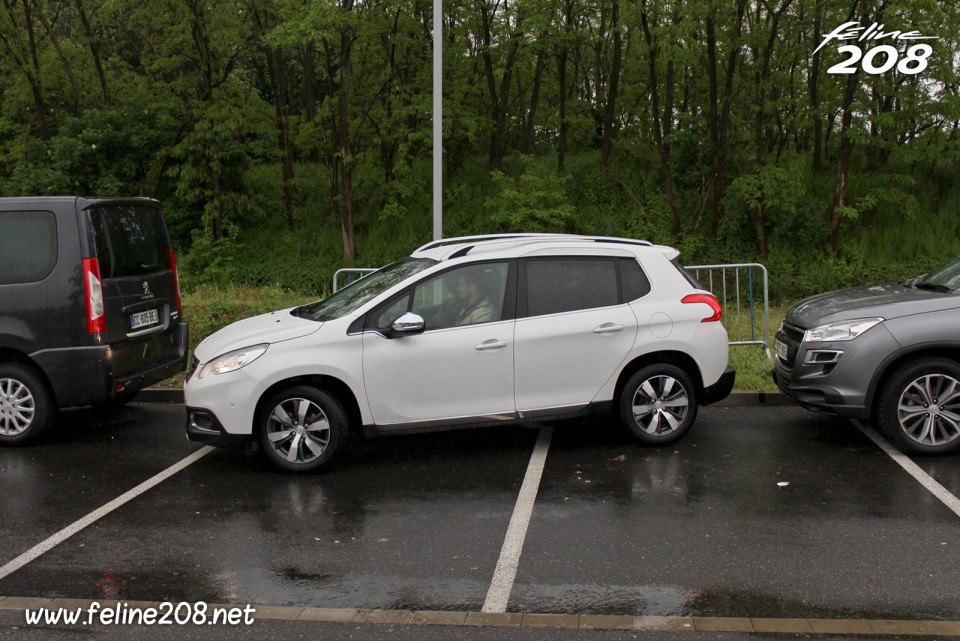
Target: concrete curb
736,399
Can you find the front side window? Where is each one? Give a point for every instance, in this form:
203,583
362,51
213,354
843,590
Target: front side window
564,285
463,296
28,246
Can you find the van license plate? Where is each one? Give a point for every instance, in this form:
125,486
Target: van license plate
142,319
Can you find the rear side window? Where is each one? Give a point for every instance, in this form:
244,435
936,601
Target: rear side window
28,246
131,240
566,285
632,279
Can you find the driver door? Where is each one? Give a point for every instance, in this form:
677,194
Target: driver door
449,373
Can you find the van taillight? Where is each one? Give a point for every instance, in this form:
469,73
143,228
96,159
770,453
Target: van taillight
176,279
708,299
93,288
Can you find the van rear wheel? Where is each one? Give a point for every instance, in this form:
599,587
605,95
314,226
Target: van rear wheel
27,406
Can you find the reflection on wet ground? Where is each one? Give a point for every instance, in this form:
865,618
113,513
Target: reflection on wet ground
770,512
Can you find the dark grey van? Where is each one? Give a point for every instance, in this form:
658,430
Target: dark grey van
90,309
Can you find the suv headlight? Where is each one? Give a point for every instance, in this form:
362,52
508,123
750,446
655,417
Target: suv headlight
233,360
840,330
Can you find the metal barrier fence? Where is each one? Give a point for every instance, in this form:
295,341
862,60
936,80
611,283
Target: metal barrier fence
725,282
352,275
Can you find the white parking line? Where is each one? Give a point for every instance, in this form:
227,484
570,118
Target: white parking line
912,468
99,513
502,583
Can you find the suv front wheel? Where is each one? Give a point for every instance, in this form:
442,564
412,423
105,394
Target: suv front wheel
302,428
658,404
919,407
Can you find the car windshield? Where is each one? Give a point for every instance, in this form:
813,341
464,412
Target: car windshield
356,294
946,279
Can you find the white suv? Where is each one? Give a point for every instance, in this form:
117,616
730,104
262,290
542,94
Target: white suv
469,331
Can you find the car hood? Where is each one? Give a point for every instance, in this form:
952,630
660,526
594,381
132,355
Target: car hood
266,328
891,300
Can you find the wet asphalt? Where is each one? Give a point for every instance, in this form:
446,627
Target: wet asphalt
758,512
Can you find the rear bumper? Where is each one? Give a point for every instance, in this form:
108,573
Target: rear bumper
86,375
721,389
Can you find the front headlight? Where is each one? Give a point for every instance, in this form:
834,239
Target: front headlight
233,360
840,331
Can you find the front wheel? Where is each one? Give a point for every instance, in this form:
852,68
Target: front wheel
302,428
919,407
658,404
27,406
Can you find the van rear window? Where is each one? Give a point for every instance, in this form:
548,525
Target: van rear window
131,241
28,246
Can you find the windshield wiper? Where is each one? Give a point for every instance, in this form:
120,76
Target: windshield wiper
933,287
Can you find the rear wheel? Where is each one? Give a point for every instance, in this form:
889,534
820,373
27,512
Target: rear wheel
302,428
658,404
919,407
27,406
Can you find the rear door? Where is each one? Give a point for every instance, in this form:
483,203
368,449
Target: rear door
139,284
572,331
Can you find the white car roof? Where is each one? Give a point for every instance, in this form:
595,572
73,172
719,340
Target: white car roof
512,245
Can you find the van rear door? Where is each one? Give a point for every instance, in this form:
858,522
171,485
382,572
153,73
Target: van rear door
140,290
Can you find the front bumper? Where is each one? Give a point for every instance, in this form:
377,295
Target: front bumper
203,426
840,384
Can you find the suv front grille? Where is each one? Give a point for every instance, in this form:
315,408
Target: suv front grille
792,337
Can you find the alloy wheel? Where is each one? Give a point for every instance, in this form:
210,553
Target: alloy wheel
17,407
298,430
929,410
660,405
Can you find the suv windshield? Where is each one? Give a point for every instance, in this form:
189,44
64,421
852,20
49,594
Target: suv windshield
945,279
131,240
353,296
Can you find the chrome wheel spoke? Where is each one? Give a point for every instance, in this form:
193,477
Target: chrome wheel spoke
280,415
280,436
293,454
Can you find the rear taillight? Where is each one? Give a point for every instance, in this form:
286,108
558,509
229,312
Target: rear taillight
176,280
707,299
93,288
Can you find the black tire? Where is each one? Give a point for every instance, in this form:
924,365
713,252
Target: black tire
27,406
658,404
302,428
918,408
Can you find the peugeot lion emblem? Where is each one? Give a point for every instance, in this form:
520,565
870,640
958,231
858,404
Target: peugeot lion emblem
146,289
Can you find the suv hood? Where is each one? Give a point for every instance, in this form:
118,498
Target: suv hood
266,328
891,300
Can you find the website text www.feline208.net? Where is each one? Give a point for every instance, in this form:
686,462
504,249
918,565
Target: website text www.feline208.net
165,613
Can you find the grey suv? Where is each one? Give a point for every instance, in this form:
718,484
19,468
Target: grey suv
888,353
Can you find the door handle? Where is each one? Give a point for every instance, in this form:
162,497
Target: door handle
607,328
490,344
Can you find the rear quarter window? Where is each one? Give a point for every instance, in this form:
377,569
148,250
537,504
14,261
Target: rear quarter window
130,240
28,246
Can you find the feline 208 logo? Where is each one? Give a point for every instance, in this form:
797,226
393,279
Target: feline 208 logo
880,58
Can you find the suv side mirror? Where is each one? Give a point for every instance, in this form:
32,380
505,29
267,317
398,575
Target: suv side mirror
409,323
